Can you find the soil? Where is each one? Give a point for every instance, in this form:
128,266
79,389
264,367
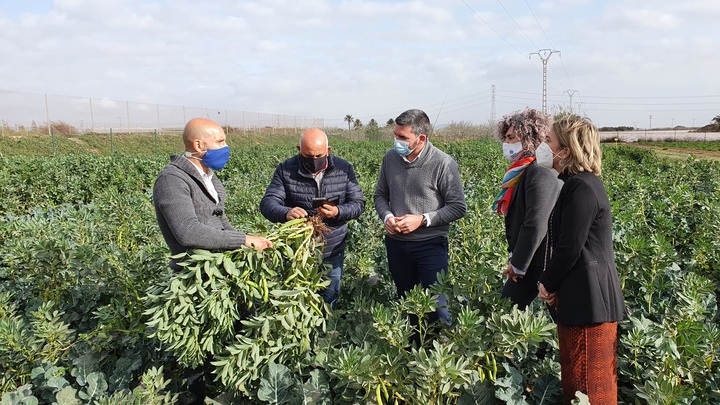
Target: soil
682,153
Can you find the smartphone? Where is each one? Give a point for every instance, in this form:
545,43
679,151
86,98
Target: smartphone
317,202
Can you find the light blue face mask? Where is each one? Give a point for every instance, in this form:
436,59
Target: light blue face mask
402,148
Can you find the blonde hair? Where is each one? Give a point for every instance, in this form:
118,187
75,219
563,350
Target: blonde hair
581,138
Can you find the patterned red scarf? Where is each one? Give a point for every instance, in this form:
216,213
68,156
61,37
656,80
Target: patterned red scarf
510,180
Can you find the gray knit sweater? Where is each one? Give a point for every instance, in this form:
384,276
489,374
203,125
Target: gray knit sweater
187,214
430,184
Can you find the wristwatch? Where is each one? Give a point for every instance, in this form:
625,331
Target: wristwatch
424,220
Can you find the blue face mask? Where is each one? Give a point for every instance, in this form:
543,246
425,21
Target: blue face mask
216,158
403,148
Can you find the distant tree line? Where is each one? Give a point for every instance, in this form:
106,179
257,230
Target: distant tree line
616,129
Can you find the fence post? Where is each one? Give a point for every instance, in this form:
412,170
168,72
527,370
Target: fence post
112,149
52,138
156,143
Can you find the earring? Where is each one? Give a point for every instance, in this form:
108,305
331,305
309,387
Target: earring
561,163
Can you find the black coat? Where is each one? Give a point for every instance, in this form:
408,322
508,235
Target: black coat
293,186
581,268
526,221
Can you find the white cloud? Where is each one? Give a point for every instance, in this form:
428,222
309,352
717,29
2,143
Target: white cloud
649,18
329,58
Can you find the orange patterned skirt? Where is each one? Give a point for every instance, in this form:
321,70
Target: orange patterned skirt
588,362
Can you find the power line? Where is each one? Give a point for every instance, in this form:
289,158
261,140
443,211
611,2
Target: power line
556,76
623,97
450,105
652,97
654,109
566,73
538,23
549,41
493,29
517,25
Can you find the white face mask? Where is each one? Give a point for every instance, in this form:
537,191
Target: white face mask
512,151
544,155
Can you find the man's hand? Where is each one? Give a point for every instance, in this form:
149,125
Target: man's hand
296,213
391,226
328,211
257,242
549,298
510,273
408,223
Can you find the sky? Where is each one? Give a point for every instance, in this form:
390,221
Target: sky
621,62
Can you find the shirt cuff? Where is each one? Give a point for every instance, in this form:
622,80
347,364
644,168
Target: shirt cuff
386,218
518,271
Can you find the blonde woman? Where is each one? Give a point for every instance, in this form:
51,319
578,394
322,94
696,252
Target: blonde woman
580,279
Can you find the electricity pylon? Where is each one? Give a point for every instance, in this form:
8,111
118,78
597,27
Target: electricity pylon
544,55
570,93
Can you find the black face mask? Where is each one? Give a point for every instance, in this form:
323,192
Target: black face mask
313,165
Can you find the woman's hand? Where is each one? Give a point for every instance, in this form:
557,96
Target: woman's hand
549,298
510,273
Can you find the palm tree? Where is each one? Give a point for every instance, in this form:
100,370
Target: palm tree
349,119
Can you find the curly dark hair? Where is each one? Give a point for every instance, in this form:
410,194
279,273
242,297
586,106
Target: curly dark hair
531,126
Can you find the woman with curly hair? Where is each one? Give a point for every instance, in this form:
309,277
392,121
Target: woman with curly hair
580,280
528,194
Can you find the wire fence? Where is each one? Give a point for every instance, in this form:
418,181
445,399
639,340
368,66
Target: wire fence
25,113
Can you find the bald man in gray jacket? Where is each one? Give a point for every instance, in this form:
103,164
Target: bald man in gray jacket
190,208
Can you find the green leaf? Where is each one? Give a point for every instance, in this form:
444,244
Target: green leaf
57,382
123,373
84,366
276,387
66,396
96,385
480,393
39,370
22,395
317,389
547,390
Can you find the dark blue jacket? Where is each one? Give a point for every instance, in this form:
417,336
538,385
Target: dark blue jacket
293,186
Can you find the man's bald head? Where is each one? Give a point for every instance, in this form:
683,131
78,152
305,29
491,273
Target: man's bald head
313,143
201,129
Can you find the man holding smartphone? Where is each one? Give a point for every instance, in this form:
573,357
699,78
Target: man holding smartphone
314,182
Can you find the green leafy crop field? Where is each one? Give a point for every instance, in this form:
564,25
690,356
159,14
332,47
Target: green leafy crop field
90,313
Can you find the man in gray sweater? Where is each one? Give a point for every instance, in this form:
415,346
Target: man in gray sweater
418,193
190,207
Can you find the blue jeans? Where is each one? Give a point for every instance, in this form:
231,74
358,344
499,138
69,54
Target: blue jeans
419,262
332,292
